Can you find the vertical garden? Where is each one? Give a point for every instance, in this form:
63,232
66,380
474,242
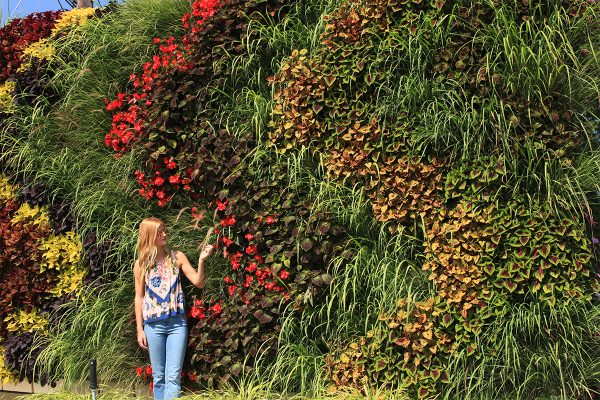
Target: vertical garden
405,193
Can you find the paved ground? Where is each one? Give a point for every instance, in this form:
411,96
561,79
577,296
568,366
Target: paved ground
10,395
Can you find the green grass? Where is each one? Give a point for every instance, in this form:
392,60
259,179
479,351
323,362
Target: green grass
541,353
239,393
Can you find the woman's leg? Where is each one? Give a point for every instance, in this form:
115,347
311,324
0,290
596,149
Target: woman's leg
156,334
176,344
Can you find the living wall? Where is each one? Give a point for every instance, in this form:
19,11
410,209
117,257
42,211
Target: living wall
45,263
404,192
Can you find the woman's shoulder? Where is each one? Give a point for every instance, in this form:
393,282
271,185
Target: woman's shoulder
178,256
178,253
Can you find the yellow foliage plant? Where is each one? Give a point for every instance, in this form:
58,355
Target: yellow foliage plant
6,375
32,215
8,192
6,98
24,321
72,18
44,49
62,253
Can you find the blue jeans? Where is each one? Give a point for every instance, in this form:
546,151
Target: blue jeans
167,340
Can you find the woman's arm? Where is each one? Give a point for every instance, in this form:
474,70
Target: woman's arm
138,302
196,276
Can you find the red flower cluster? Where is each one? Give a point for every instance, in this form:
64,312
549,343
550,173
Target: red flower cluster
199,310
130,120
201,10
255,274
20,33
163,182
144,372
135,113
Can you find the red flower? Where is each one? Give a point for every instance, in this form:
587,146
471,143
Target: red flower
185,20
252,249
270,220
249,236
174,179
226,241
283,274
251,268
197,312
149,369
229,221
192,376
139,371
156,40
217,309
222,205
231,289
228,279
159,181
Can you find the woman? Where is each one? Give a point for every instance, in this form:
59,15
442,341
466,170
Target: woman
159,308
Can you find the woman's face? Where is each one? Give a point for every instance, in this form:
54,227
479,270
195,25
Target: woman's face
161,236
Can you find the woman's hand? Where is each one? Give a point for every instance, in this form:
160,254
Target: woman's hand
142,341
206,252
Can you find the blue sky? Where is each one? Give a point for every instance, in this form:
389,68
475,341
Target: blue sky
16,8
21,8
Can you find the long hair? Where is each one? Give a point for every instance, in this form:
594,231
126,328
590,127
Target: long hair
146,249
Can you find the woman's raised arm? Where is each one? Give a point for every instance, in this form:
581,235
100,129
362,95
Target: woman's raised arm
196,276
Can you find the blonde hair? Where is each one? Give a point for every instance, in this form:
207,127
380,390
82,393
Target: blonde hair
146,249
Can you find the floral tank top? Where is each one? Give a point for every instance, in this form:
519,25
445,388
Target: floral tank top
163,297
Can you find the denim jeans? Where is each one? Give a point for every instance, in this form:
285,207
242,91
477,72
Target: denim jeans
167,340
